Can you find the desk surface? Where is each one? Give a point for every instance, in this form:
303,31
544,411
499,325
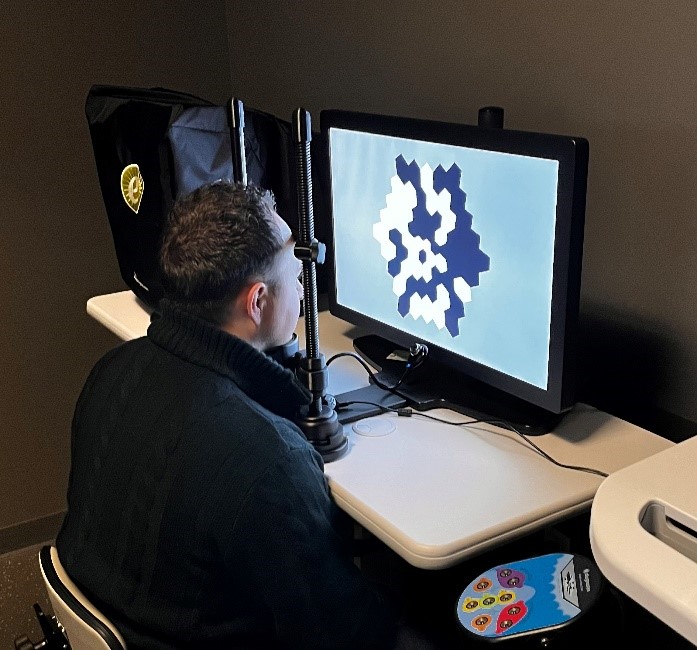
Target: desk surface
435,493
652,557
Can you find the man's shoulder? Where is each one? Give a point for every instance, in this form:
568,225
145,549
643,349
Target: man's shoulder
124,350
241,413
205,400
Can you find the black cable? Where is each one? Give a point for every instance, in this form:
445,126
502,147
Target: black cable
408,412
373,376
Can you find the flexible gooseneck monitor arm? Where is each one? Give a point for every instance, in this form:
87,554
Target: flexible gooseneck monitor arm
318,420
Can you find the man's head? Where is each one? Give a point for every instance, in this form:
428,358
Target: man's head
227,257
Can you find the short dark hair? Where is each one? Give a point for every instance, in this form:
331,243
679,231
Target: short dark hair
217,239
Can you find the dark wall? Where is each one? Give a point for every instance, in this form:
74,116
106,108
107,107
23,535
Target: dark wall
55,245
620,73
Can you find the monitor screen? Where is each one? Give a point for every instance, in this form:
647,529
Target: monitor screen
465,238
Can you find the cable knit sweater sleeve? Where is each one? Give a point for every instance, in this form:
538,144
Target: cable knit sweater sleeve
284,543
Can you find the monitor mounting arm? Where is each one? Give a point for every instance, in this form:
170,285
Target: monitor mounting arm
318,421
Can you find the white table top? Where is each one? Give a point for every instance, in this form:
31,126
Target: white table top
435,493
656,565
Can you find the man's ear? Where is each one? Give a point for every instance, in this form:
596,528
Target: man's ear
256,299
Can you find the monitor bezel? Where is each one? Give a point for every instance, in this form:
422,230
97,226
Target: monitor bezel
572,154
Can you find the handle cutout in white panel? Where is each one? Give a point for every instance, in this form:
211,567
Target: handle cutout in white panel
677,535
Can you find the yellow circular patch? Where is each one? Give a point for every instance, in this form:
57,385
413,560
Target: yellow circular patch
132,186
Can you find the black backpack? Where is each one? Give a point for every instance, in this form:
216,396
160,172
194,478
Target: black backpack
152,145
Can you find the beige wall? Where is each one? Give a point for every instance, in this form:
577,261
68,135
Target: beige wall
621,73
55,245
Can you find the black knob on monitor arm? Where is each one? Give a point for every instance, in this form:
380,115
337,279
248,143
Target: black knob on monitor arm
491,117
318,420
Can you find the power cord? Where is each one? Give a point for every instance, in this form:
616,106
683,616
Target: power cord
417,355
409,412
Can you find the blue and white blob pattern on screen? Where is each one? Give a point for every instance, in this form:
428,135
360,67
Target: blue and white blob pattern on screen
426,236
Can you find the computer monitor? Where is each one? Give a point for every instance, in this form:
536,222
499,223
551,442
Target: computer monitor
469,240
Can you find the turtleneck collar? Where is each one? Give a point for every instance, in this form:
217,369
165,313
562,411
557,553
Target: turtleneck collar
257,375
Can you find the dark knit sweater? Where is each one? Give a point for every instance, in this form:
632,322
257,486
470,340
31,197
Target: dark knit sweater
198,515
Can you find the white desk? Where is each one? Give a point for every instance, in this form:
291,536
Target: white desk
654,562
438,494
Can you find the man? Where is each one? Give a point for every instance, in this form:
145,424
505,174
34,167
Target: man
198,515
